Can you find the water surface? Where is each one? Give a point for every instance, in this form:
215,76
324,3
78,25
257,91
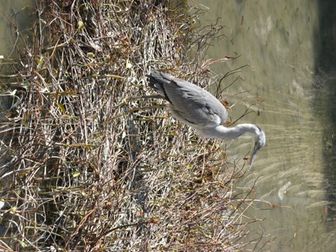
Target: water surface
289,85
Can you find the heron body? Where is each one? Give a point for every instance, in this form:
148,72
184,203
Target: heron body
201,110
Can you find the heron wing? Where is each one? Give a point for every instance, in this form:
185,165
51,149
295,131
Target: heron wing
194,105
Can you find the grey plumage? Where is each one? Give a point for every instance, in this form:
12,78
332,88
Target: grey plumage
188,102
201,110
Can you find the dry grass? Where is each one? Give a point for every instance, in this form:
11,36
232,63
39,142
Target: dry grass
92,165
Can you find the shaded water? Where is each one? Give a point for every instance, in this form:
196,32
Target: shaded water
16,18
289,47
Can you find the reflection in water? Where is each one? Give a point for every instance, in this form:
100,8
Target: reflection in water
276,40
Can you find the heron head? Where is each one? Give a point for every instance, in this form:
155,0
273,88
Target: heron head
260,142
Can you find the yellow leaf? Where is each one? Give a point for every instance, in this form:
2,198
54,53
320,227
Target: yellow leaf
76,174
90,54
80,25
40,63
128,65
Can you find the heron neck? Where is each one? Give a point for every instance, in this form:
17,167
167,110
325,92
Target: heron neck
230,133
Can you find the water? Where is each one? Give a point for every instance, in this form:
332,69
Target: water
16,17
289,47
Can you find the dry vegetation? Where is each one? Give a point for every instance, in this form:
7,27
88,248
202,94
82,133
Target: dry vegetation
89,163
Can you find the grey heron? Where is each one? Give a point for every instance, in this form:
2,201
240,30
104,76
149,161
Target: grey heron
201,110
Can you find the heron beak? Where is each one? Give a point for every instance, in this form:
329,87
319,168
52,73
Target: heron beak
259,143
256,148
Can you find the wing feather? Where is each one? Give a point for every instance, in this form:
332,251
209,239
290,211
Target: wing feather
192,104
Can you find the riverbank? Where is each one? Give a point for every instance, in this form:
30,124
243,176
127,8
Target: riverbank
92,165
